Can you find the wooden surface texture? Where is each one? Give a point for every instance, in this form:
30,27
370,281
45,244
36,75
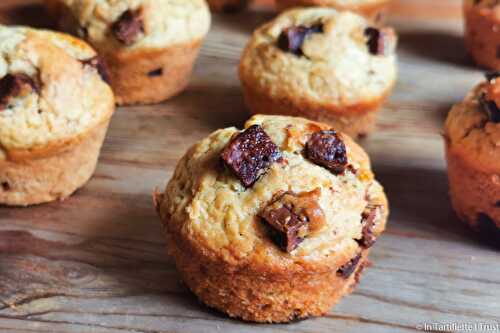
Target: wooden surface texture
97,262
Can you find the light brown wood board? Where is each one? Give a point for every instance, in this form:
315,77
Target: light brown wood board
97,261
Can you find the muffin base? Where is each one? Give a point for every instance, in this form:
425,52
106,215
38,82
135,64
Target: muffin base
55,177
150,76
482,39
475,195
271,298
356,121
374,11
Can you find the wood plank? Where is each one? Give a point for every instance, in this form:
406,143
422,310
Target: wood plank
97,263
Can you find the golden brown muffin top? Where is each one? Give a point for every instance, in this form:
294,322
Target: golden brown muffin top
208,207
51,91
132,24
472,128
320,55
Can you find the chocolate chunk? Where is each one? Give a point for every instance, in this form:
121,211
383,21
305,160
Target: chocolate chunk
368,222
490,76
497,204
291,217
250,154
99,64
13,85
379,41
488,229
325,148
82,32
347,269
156,72
286,228
5,186
491,108
291,39
128,27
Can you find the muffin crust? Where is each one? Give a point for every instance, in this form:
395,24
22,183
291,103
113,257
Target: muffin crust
149,46
333,77
482,38
54,112
223,249
472,133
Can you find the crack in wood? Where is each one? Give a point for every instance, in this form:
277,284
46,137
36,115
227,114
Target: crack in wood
125,329
458,277
372,321
424,307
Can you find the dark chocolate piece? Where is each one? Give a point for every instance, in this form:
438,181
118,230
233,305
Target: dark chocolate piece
379,41
5,186
249,154
491,108
291,217
368,239
347,269
128,27
490,76
82,32
286,228
291,39
488,229
325,148
12,85
156,72
99,64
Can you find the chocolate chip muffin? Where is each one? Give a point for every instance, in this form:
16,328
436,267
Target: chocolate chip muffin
272,223
54,112
482,37
227,6
371,9
322,64
472,133
149,46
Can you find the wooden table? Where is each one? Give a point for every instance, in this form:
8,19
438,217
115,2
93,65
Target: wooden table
97,263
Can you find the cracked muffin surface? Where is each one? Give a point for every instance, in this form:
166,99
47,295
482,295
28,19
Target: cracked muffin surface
51,93
321,64
471,129
163,23
297,217
336,67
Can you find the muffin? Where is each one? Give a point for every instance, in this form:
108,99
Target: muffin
275,222
321,64
149,46
482,37
54,112
371,9
227,6
472,133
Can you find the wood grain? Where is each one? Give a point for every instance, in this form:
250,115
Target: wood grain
97,263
